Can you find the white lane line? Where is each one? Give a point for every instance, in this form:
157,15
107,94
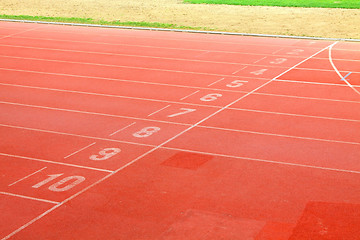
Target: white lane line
168,101
152,47
295,115
282,135
26,177
129,55
118,66
276,51
74,135
57,163
189,95
260,60
91,113
216,82
164,84
121,129
266,160
157,69
158,110
27,197
207,41
185,124
14,34
308,98
314,83
189,125
240,70
102,94
71,154
339,74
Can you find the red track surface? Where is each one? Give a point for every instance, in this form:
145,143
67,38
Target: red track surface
125,134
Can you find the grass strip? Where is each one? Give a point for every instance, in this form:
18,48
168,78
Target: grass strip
351,4
99,22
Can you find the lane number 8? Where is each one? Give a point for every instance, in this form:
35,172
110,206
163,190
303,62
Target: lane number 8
146,132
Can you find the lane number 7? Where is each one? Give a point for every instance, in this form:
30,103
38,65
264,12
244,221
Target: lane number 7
183,111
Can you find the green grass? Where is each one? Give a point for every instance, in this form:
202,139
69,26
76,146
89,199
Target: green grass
355,4
99,22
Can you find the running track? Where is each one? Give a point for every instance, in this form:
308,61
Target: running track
128,134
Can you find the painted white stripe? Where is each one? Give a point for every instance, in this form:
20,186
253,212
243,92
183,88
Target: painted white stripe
248,110
117,131
165,84
58,163
267,161
189,95
91,113
169,101
240,69
27,197
158,110
71,154
217,82
153,57
26,177
161,47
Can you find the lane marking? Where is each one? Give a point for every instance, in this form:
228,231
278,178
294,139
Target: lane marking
165,84
27,197
338,73
283,135
260,60
309,98
169,101
121,129
189,126
240,69
58,163
236,43
278,50
158,69
73,135
26,177
152,47
249,110
189,95
216,82
158,110
104,95
71,154
265,160
127,55
92,113
14,34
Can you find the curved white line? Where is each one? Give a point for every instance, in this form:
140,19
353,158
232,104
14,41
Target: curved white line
337,71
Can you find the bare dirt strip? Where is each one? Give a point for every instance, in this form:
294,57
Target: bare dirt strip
318,22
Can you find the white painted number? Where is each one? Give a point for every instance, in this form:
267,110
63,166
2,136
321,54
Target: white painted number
258,72
184,111
211,97
49,179
61,185
295,51
278,61
104,154
146,132
236,83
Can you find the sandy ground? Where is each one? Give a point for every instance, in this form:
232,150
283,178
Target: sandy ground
337,23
